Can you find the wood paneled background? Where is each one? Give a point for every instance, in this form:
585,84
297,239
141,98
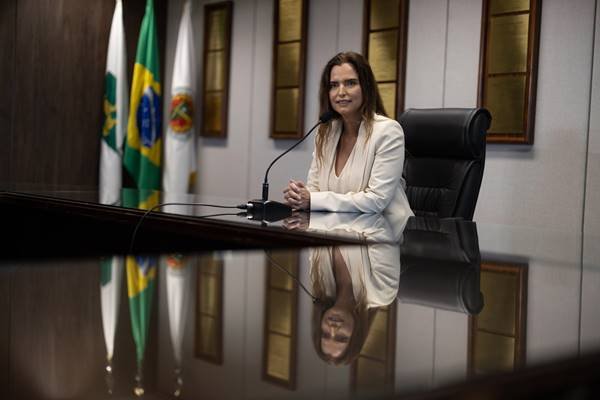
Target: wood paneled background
7,70
5,275
52,342
53,61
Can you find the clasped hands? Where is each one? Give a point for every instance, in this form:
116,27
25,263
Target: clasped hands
297,195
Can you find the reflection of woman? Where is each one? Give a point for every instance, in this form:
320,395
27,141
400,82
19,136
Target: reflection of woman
351,282
349,289
359,155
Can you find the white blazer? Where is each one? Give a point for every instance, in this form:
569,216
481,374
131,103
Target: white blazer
376,176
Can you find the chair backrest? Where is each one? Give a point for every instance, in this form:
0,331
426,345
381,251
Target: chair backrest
445,158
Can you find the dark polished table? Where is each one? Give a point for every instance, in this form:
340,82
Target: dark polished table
221,306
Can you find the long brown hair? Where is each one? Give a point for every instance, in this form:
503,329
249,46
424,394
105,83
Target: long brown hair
363,316
372,102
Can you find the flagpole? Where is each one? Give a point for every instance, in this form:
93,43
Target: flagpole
109,378
138,390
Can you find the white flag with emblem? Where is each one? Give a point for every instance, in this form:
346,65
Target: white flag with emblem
111,276
116,100
180,141
179,276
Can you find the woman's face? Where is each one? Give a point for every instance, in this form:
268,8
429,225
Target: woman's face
345,93
337,325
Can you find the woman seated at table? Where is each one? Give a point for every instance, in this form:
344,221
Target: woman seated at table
359,154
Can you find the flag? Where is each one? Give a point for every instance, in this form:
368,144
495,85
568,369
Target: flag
143,199
111,274
178,177
114,106
141,281
179,279
180,140
178,300
111,270
142,155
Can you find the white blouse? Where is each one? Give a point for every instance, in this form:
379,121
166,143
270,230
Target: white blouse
346,181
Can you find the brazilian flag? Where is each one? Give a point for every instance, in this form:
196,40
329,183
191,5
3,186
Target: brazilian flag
143,147
141,283
143,199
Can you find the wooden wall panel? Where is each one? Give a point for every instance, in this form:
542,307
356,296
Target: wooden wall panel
57,345
61,53
59,50
5,276
7,69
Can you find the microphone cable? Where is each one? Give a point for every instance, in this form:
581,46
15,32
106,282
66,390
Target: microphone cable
313,297
139,223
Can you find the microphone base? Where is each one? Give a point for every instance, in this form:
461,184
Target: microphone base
267,210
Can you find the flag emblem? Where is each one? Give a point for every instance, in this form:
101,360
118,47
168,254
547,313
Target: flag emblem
110,111
182,112
149,117
143,264
141,272
175,260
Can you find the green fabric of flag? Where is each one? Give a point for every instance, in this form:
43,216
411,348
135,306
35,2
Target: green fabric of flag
143,147
141,281
105,271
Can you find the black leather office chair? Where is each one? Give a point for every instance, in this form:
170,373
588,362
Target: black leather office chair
440,265
445,157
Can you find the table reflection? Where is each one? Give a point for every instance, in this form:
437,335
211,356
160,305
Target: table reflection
161,320
412,308
441,265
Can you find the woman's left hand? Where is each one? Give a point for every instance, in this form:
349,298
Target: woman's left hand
296,195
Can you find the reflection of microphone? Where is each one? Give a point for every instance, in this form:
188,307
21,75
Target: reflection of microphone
267,210
314,298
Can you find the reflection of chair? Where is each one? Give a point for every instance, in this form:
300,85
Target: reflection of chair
440,262
445,156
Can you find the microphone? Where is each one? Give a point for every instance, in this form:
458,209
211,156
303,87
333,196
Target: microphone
270,211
